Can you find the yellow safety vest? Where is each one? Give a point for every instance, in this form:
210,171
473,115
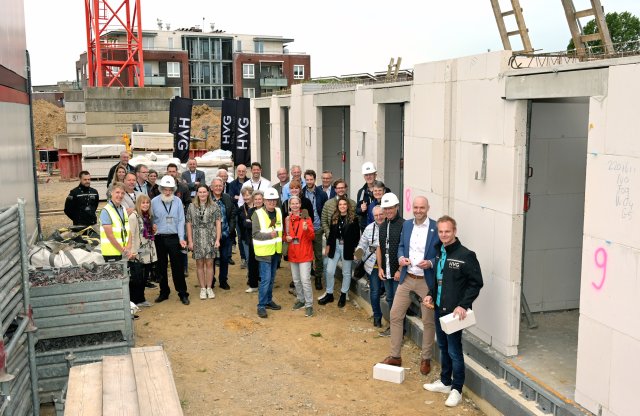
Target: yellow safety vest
264,248
120,232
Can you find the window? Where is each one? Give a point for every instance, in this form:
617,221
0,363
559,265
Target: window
258,46
249,92
170,43
147,42
173,69
148,69
248,71
298,72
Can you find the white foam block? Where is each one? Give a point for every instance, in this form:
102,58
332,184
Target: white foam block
451,324
387,372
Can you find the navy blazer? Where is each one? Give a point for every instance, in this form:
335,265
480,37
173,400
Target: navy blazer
429,249
186,176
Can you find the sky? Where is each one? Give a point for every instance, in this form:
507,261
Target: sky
342,37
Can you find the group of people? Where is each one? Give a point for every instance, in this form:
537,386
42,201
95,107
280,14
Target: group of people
312,226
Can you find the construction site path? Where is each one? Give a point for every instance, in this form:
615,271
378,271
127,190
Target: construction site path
228,361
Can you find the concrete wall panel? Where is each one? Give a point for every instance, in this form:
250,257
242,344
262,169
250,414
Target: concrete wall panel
613,193
624,370
428,103
622,134
480,111
593,373
431,72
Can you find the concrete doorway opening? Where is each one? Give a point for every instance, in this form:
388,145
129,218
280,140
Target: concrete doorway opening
394,148
336,126
553,238
264,127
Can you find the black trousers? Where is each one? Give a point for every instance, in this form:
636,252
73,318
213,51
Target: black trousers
253,272
169,250
136,281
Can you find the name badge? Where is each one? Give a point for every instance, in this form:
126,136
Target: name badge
295,241
170,220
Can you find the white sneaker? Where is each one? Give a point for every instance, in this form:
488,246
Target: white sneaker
323,295
203,293
210,293
437,387
454,398
251,290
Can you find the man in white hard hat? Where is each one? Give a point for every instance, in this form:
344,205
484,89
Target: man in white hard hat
387,251
365,194
169,218
267,226
416,258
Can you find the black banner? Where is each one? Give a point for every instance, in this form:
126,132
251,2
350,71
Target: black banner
228,124
180,126
242,148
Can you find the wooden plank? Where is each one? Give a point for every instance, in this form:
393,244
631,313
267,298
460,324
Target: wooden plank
84,394
157,393
119,396
585,13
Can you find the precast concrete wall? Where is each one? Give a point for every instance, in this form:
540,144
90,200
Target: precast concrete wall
609,335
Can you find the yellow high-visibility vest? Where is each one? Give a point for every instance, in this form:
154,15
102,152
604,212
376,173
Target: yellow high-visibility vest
264,248
120,232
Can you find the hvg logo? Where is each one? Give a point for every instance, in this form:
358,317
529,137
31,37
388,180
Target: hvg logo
183,132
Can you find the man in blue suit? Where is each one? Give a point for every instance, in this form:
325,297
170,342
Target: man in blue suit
416,257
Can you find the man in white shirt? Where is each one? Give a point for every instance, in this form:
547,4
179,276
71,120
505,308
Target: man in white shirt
256,181
192,176
416,258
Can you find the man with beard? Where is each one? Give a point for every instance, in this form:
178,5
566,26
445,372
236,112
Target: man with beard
82,202
170,239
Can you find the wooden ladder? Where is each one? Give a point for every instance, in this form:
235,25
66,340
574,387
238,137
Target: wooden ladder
502,27
137,384
579,38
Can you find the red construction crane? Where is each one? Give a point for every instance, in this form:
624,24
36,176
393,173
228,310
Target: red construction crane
114,43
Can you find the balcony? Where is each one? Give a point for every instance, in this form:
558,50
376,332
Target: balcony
273,82
154,81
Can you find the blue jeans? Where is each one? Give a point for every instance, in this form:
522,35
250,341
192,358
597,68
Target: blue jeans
374,293
390,287
451,357
267,278
331,270
225,254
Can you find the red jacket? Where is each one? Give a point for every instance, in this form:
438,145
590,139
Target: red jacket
302,252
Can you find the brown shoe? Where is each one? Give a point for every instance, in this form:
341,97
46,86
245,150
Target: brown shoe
425,367
397,361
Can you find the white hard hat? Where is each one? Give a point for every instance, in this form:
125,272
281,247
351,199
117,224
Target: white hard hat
167,181
367,167
271,193
389,200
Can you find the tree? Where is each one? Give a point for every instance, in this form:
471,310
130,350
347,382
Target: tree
624,29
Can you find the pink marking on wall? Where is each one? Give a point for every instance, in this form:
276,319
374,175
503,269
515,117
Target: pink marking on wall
600,258
407,200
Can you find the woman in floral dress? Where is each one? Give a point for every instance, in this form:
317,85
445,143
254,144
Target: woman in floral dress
203,237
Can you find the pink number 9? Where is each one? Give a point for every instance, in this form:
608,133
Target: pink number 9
600,258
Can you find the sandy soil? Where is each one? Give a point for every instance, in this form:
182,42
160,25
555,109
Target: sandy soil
227,361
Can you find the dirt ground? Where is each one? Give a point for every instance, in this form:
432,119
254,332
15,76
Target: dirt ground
227,361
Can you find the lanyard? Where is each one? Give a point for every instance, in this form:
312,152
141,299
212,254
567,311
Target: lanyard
165,207
131,198
121,218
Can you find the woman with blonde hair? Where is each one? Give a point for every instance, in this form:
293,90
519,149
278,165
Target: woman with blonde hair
118,177
342,241
203,237
141,247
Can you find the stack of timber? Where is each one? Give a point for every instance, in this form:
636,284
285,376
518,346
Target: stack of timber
139,383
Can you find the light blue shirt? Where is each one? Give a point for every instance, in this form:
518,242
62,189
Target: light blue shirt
169,217
285,189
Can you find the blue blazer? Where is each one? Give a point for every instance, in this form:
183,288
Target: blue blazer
429,249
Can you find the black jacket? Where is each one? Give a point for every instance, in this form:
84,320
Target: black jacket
243,218
305,203
395,231
461,278
231,216
81,205
351,238
367,196
112,172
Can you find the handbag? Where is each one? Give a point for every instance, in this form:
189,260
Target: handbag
359,271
